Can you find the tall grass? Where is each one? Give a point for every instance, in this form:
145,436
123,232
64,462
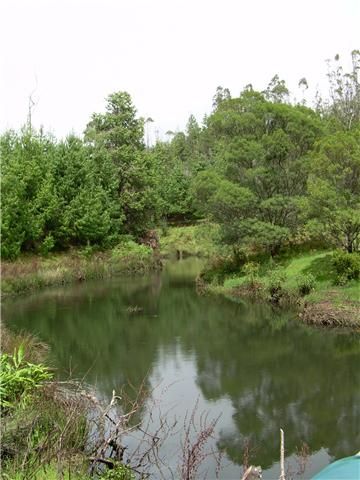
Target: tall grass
32,273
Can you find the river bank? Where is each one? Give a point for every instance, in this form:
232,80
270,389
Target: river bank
29,273
49,428
33,272
222,352
305,280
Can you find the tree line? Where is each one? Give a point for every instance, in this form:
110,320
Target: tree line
268,170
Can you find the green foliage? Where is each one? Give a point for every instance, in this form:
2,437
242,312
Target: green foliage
251,270
347,266
305,284
276,280
52,427
269,172
47,244
120,472
333,204
219,268
117,135
198,240
129,248
57,194
19,379
259,169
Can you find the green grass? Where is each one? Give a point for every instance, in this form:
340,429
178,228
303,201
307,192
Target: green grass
335,298
317,264
37,436
51,472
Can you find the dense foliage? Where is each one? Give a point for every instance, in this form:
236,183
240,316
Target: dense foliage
73,192
268,171
280,173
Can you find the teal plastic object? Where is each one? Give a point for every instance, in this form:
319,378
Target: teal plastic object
345,469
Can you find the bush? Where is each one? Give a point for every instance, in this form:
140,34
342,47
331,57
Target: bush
347,266
276,282
47,245
88,251
305,283
251,270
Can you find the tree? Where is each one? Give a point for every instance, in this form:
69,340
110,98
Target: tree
261,155
29,201
118,135
221,95
344,104
277,90
334,189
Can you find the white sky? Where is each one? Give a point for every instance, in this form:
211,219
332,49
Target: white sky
170,55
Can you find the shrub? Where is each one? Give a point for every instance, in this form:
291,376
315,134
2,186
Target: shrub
47,245
347,266
305,283
251,270
276,282
88,251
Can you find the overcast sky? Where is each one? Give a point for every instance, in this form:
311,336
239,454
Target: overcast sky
170,55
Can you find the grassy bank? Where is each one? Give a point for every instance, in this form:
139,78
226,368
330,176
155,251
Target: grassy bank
31,272
307,279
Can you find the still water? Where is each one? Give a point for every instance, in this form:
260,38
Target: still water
255,368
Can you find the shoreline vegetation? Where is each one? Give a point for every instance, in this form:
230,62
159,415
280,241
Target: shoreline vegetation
38,440
29,273
318,283
308,279
54,429
266,180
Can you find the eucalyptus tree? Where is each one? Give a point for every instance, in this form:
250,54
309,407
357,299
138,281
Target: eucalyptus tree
344,91
262,162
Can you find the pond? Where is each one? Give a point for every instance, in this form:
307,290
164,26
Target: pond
254,368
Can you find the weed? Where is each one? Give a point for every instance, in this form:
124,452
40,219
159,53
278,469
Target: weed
19,379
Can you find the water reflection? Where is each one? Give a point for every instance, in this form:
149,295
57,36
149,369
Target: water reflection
259,367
